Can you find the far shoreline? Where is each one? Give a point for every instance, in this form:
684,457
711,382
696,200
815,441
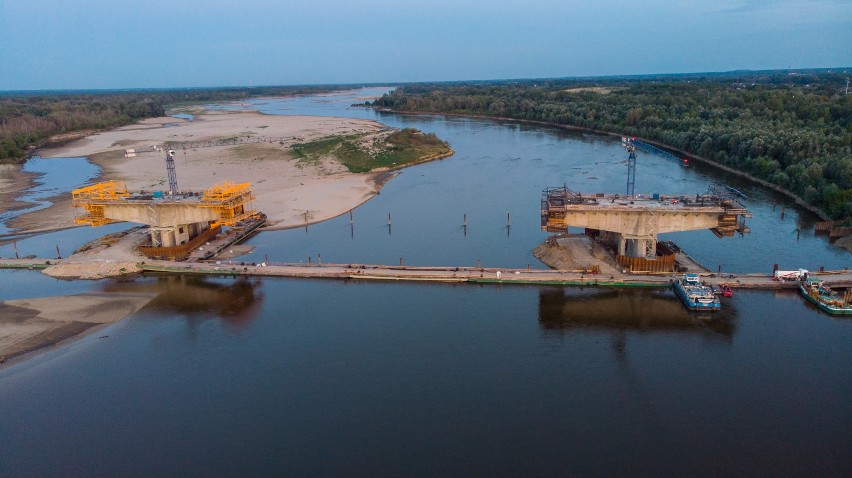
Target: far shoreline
10,202
799,201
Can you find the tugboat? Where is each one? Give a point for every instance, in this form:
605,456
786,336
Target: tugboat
695,295
826,299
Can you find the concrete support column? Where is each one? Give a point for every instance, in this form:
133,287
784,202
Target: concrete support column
635,248
168,238
641,247
622,245
182,234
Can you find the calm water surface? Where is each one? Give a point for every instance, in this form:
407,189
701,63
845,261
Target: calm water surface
320,378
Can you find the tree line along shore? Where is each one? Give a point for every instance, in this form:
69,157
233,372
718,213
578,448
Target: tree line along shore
790,130
31,120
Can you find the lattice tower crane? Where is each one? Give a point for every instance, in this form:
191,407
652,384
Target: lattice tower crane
170,167
631,164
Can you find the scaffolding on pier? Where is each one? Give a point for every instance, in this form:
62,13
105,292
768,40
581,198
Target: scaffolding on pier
232,202
93,199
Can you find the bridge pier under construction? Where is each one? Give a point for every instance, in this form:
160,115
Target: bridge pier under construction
632,223
633,246
178,222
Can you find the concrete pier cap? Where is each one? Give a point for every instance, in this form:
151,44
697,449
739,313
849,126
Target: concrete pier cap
632,223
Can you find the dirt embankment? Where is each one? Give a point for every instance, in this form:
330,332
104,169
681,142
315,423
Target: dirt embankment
574,252
844,242
108,256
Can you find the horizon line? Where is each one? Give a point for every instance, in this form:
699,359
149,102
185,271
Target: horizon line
840,69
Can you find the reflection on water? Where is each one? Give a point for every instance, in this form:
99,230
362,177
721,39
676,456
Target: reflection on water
562,309
380,378
235,301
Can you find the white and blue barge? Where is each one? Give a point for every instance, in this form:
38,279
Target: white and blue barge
695,295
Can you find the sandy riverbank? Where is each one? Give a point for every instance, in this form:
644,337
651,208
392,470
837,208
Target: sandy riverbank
30,324
13,180
290,193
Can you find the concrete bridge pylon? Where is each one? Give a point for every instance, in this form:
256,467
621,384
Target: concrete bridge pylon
633,223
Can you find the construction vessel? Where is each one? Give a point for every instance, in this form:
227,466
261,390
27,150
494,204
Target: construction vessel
695,295
819,294
178,222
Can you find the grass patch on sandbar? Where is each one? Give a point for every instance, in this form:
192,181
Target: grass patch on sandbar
368,152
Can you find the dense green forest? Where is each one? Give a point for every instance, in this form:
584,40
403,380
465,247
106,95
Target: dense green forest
30,119
791,129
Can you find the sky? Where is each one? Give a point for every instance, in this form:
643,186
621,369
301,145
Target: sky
95,44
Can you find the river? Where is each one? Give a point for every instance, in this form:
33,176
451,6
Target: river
319,378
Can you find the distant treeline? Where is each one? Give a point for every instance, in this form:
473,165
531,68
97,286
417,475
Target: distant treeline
30,120
791,129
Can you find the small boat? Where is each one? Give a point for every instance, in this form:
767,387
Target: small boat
726,290
695,295
826,299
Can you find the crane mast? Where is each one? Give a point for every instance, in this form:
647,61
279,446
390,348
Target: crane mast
631,164
170,167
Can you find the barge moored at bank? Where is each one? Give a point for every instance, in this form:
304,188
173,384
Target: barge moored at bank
695,295
826,299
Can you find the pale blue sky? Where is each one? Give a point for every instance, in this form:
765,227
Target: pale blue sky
47,44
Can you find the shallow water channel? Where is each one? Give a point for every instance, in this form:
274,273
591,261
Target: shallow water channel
314,377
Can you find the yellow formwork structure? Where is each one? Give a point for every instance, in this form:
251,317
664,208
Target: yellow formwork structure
105,191
230,201
93,199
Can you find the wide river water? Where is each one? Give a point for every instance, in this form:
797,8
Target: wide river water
318,378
